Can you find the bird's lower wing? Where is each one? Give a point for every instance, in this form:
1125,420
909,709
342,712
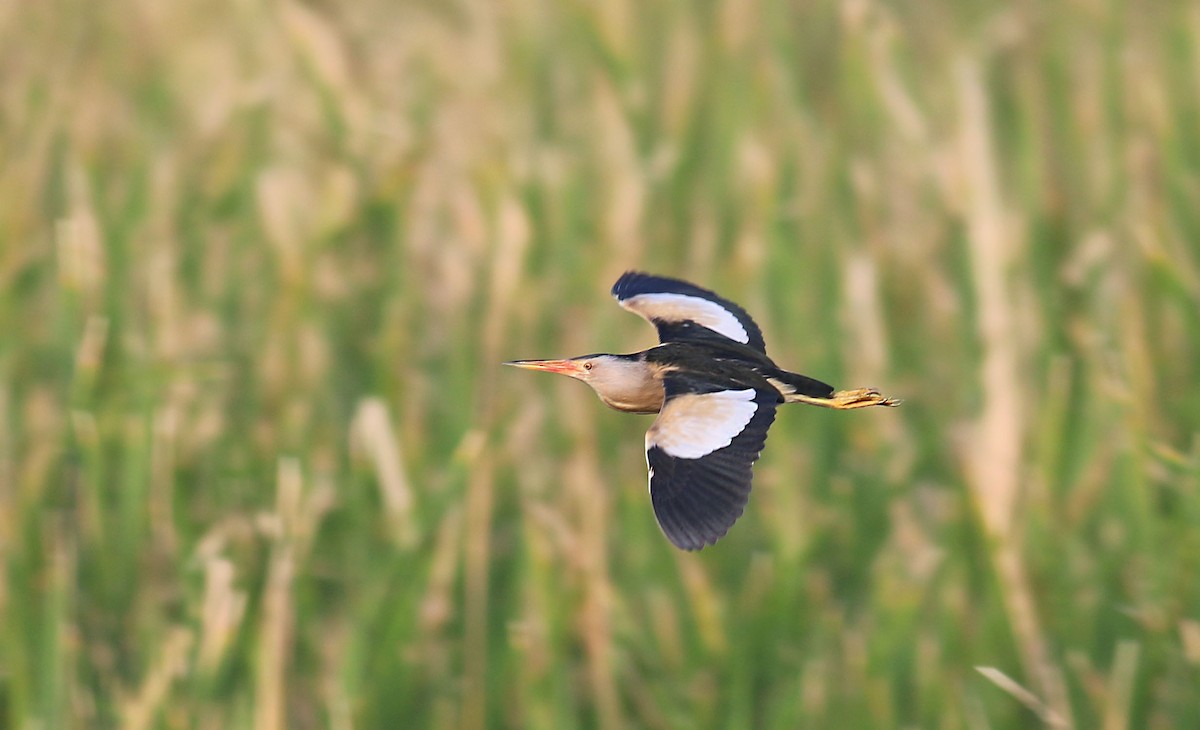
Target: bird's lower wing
700,452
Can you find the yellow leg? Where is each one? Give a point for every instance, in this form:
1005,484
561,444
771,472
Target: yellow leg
844,400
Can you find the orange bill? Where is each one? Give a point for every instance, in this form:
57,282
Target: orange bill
562,367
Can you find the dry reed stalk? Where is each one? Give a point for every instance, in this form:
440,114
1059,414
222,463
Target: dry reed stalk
995,467
221,612
588,492
62,646
437,608
1189,638
437,604
705,602
511,240
626,204
270,701
8,501
477,558
865,310
1024,696
1120,686
141,711
372,429
902,108
80,253
164,435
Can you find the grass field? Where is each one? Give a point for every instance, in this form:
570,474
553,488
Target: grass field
259,264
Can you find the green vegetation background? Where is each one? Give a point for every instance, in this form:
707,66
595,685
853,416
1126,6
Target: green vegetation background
259,261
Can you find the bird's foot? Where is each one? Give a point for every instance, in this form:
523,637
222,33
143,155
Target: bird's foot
859,398
844,400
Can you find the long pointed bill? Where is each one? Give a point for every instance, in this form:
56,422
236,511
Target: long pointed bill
572,368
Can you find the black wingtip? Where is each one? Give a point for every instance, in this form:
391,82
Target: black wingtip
627,284
696,502
692,525
634,282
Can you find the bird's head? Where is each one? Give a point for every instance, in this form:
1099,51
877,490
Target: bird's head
588,368
624,382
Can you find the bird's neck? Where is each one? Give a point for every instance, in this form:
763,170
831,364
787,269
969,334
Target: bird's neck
635,387
650,400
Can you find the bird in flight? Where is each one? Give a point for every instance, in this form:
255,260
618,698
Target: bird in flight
715,392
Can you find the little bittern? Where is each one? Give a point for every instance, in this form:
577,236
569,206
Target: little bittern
715,392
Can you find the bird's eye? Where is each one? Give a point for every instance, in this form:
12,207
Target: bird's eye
587,366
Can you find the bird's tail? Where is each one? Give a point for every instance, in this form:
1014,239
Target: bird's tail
797,388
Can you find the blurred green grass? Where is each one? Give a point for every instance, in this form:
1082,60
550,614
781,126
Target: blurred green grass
259,262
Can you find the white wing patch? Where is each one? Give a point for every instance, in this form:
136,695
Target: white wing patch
681,307
694,425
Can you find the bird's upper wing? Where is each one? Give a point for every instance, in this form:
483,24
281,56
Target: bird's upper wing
700,452
683,311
